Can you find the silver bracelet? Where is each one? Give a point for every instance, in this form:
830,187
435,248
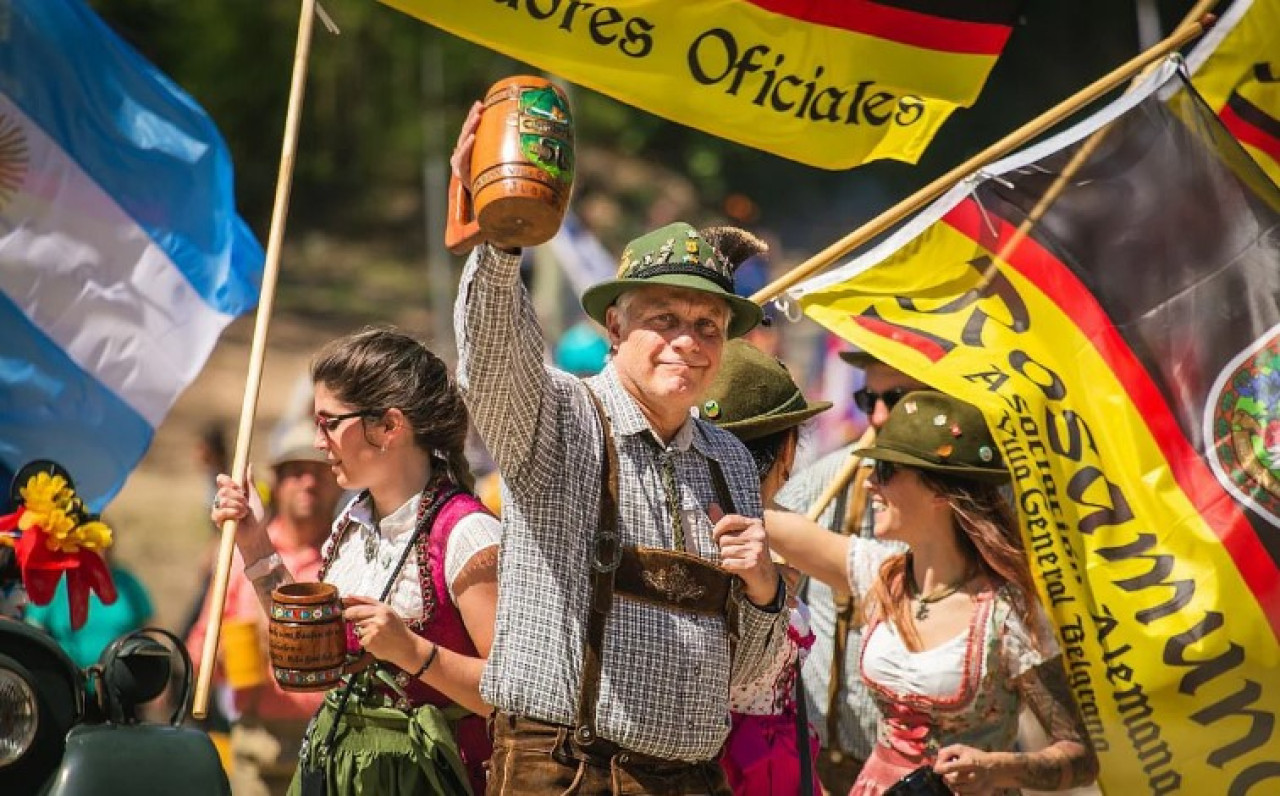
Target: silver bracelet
263,566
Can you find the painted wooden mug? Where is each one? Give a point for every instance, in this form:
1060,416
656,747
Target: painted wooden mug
306,637
521,168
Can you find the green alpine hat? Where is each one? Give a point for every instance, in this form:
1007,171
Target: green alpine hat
857,358
939,433
754,396
674,255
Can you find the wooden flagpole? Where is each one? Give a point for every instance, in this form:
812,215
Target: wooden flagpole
843,477
257,354
1194,20
1045,121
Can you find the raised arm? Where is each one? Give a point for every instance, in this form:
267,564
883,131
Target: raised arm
809,547
500,345
262,564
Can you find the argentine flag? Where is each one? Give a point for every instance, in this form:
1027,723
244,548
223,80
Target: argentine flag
122,258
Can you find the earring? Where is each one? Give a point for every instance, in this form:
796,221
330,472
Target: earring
383,449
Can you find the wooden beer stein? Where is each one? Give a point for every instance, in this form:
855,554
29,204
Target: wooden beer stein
521,168
306,637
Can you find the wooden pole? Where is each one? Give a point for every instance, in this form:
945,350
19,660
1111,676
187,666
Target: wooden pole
253,382
1069,171
1045,121
843,477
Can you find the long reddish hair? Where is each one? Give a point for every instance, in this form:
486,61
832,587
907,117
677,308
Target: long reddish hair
988,534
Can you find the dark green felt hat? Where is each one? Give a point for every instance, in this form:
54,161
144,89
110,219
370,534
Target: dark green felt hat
677,256
936,432
754,396
857,358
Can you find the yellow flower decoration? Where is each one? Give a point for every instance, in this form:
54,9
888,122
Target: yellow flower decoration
94,535
44,492
52,506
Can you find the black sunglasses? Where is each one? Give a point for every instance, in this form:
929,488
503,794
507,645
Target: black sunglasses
866,400
330,423
884,471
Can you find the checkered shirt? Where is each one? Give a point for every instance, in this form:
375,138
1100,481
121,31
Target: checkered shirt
858,715
664,687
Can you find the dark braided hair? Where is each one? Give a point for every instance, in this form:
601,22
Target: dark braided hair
379,368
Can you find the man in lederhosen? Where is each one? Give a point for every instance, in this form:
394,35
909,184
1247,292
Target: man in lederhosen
635,580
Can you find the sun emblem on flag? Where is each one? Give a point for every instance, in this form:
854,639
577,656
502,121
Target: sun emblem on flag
13,159
1242,422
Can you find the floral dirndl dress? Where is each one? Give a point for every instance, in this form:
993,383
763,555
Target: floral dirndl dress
962,691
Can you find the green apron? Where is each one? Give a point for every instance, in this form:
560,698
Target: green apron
383,750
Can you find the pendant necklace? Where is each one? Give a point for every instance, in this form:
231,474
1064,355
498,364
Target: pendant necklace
937,595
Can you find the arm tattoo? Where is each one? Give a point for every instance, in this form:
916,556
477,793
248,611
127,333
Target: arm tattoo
1069,760
480,568
263,586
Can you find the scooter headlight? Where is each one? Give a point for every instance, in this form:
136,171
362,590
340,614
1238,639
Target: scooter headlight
19,716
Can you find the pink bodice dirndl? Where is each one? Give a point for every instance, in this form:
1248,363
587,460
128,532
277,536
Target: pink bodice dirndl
446,628
762,753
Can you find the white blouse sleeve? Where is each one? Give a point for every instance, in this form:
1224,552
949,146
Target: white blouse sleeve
863,565
1027,643
473,533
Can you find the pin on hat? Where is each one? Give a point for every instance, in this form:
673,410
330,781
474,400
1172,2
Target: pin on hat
921,431
652,260
754,395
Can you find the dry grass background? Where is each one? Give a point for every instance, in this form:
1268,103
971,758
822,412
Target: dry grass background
161,517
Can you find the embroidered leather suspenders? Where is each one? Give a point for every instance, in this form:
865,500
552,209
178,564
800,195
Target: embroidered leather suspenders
673,580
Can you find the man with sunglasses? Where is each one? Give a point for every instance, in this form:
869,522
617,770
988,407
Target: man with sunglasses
839,706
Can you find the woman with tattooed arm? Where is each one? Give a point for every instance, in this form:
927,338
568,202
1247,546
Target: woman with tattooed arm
956,641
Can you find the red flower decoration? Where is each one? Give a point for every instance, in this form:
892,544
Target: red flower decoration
44,558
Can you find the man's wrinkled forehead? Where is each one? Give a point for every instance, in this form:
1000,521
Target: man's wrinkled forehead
663,297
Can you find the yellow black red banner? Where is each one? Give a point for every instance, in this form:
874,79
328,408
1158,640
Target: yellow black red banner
831,84
1236,68
1126,352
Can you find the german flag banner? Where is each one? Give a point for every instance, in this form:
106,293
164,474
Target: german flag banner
1126,352
1236,68
832,84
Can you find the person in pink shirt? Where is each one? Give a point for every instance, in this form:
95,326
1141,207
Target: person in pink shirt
269,722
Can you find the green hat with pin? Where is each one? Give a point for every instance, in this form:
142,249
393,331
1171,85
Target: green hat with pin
676,256
753,395
937,432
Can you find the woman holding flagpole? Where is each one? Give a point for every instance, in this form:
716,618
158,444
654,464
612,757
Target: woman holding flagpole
956,640
414,556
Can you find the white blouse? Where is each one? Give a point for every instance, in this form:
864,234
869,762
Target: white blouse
938,672
353,575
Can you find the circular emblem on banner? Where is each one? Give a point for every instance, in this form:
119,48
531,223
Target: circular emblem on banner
1242,427
13,159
